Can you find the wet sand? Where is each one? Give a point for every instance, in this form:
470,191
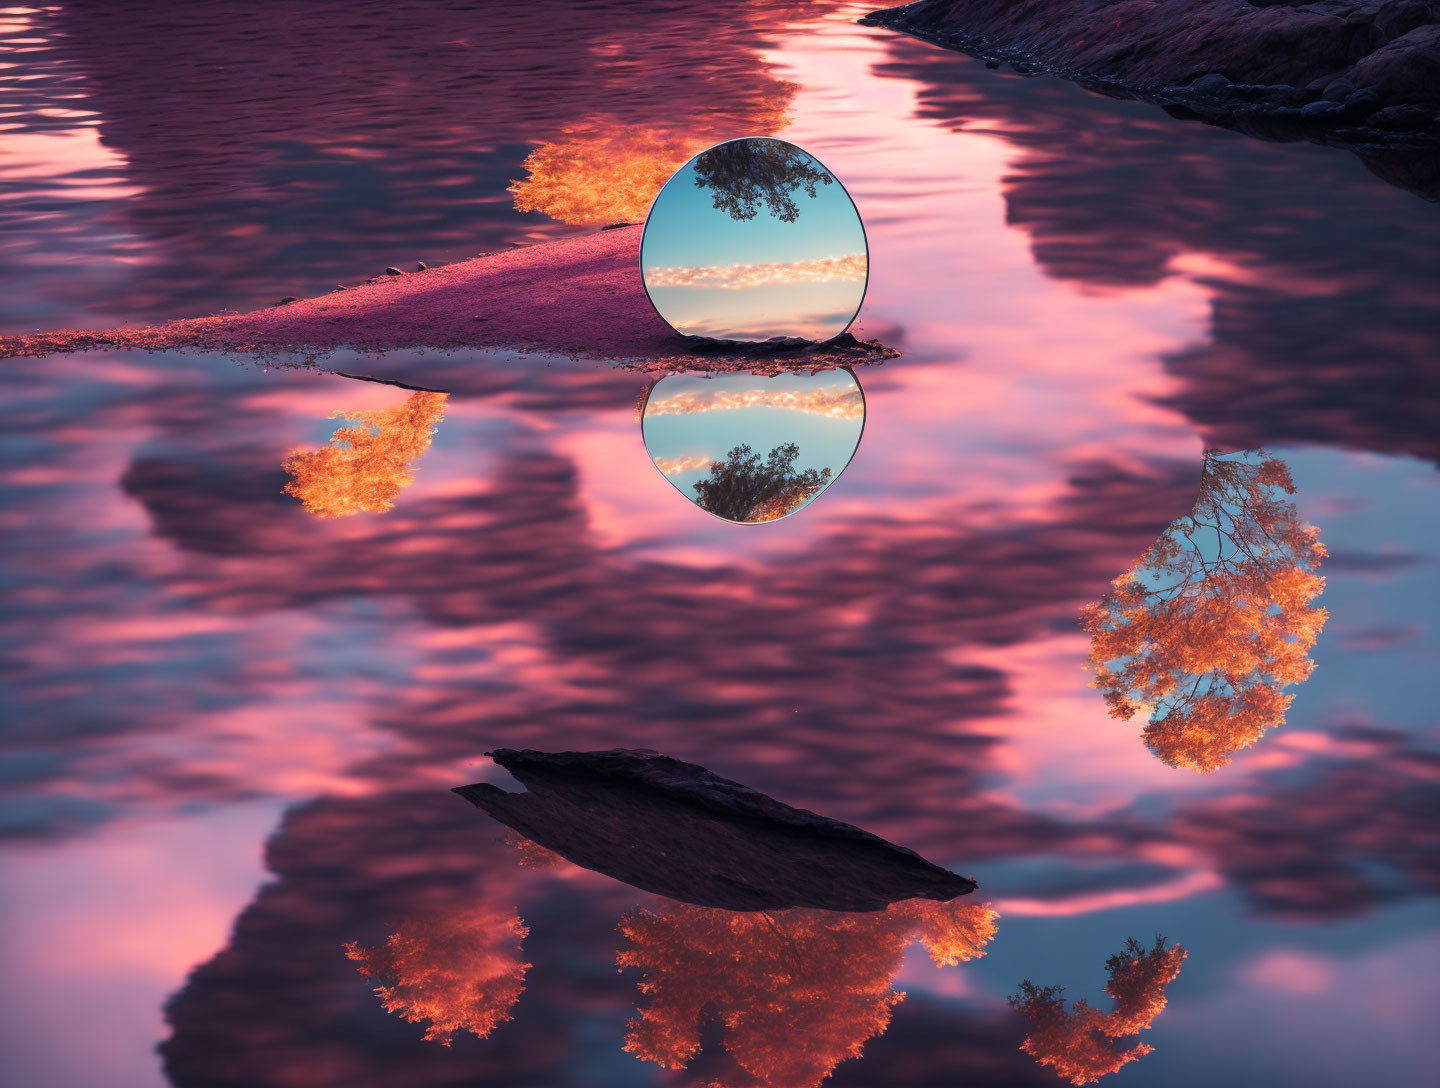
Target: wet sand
580,297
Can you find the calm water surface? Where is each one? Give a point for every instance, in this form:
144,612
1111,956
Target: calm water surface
230,724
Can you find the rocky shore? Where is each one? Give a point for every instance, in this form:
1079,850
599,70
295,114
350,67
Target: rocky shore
1355,72
580,298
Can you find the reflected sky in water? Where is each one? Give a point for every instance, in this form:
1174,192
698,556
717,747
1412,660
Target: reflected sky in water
231,725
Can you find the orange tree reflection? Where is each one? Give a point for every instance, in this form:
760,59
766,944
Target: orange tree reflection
1207,627
363,467
607,169
1082,1044
795,992
456,970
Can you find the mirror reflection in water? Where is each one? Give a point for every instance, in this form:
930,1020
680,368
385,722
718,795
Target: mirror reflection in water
749,448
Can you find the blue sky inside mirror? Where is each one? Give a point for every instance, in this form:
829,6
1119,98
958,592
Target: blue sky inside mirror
812,278
691,421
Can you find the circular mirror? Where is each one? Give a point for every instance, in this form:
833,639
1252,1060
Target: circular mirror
751,449
754,240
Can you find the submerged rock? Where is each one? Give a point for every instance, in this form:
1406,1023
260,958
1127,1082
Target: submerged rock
679,830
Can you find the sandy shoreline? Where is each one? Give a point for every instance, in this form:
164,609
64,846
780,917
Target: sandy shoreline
580,298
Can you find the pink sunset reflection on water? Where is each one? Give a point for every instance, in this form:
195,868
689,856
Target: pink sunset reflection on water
200,669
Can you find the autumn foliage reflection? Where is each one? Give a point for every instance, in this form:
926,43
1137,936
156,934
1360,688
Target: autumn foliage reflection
744,488
363,467
1082,1044
608,170
458,970
604,176
531,855
796,992
1208,626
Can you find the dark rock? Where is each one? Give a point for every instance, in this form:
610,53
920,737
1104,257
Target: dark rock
1337,90
1321,109
1245,64
1420,173
1273,95
1147,46
393,271
1181,113
616,226
679,830
1363,101
1405,71
1401,118
421,267
1212,84
1399,17
287,300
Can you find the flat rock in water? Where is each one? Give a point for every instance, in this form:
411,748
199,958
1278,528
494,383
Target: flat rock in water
677,829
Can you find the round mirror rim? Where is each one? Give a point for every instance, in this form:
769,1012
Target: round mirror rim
864,238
